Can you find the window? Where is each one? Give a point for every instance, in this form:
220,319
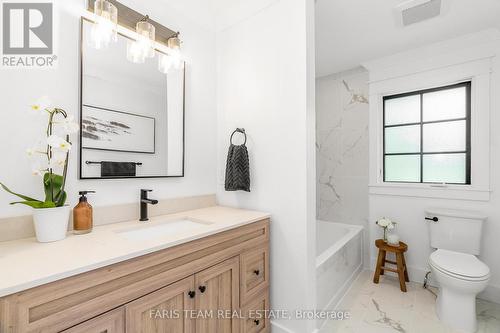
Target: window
427,136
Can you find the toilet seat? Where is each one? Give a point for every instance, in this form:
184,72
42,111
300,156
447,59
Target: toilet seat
459,265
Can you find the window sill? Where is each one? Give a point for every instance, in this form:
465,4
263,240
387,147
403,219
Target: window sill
452,192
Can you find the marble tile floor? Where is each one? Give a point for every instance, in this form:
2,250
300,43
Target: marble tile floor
383,308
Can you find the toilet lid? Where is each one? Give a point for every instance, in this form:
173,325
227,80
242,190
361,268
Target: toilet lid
461,264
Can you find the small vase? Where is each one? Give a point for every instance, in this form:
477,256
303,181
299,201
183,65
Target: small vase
51,224
385,235
393,239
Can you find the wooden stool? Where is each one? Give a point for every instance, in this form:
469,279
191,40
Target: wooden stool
400,262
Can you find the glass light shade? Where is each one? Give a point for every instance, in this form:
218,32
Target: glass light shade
174,42
146,37
106,24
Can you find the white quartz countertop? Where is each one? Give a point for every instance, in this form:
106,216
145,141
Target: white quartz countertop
25,263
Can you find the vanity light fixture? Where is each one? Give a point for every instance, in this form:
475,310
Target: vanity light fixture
173,58
106,24
143,47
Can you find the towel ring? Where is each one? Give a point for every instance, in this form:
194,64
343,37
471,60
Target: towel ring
239,130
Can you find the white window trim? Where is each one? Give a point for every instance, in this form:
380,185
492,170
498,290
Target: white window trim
399,80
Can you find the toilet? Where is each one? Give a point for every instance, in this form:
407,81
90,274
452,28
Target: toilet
456,236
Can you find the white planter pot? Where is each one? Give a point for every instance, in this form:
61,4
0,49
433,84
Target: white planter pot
51,224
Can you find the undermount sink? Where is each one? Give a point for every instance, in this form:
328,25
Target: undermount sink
160,229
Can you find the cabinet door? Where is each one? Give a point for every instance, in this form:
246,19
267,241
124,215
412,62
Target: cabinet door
217,298
163,311
110,322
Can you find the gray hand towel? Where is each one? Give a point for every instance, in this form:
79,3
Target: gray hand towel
237,169
118,169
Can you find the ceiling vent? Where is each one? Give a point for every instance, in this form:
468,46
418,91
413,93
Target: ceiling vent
414,11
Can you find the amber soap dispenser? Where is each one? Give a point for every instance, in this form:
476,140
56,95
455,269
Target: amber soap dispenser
83,215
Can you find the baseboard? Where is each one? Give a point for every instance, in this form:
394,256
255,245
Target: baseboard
491,293
417,275
278,328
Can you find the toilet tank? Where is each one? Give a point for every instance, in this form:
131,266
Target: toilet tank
455,230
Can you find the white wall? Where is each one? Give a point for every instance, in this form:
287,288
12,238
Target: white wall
264,85
429,64
21,130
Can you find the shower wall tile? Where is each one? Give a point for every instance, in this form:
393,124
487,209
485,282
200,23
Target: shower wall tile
342,147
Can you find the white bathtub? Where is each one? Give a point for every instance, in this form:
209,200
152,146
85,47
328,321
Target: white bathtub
339,258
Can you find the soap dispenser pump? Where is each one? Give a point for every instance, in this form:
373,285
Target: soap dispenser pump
83,215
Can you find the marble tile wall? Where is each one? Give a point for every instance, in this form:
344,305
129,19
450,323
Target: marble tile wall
334,272
342,147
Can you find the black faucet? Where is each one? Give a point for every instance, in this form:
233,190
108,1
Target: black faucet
144,204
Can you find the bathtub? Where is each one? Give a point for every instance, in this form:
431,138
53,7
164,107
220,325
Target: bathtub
339,258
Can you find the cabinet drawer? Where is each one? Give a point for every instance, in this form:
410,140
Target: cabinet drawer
111,322
254,272
256,320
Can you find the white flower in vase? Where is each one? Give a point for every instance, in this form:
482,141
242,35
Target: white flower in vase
386,224
50,214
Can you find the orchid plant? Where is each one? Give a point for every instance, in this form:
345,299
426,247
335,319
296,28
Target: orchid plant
51,157
386,224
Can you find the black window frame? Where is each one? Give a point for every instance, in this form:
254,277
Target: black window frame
421,123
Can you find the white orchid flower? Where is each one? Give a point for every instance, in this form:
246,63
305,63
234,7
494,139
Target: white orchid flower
390,226
57,142
42,104
69,125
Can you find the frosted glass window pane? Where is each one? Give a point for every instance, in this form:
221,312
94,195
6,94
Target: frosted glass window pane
444,168
402,168
448,136
402,110
402,139
444,104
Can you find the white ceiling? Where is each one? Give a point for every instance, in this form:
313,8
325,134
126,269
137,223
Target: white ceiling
349,32
217,15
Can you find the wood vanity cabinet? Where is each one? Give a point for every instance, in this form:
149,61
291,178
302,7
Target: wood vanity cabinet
205,286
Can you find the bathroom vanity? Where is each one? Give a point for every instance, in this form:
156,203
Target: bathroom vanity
205,270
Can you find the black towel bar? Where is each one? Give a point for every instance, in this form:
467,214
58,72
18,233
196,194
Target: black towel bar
93,162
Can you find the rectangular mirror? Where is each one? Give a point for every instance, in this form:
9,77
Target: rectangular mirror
131,115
